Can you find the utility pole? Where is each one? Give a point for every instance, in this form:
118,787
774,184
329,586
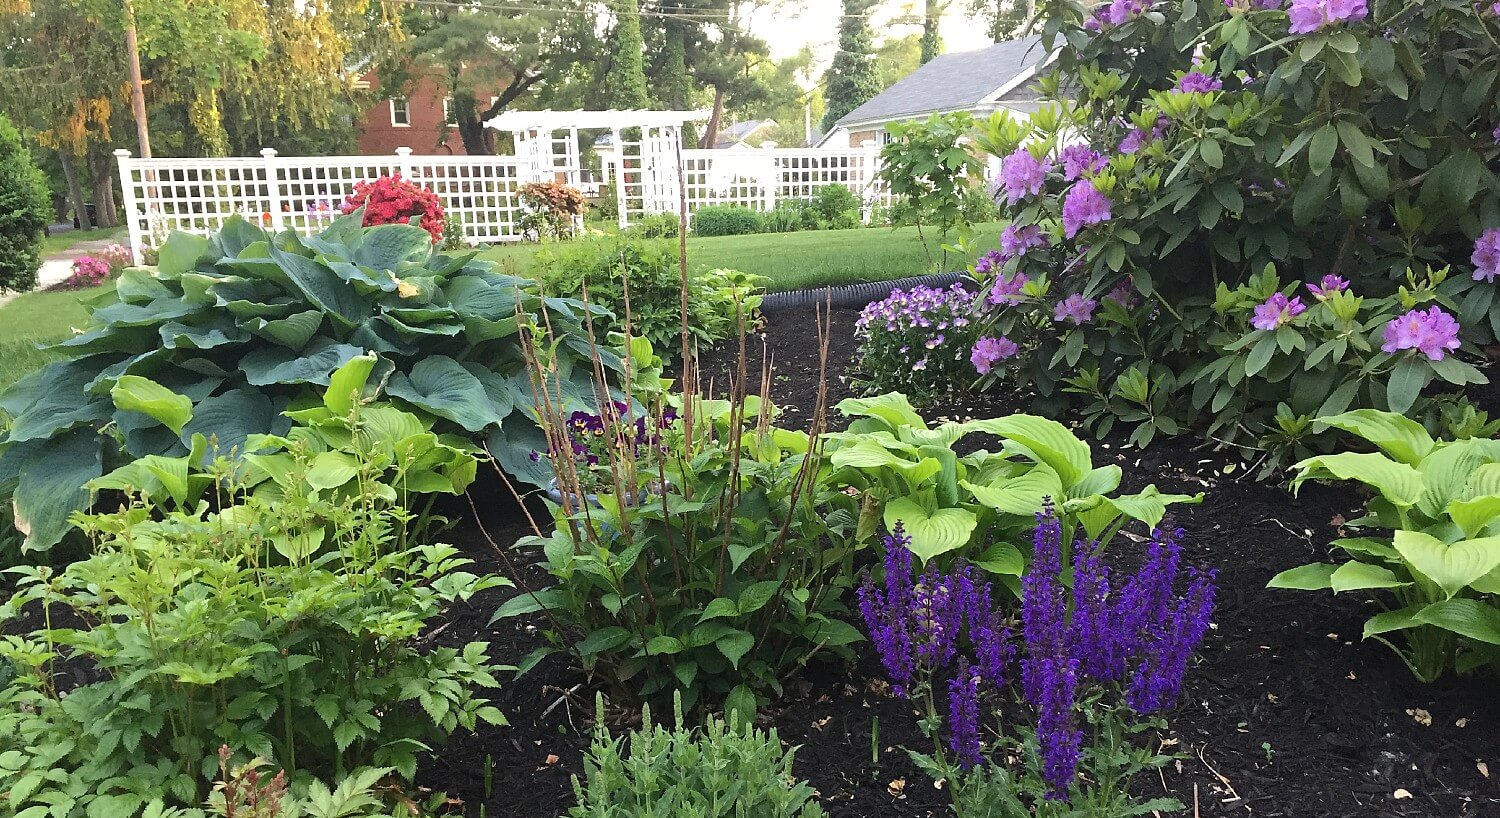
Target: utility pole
137,85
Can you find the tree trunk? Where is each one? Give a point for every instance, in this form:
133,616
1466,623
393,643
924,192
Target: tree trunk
711,132
75,190
104,197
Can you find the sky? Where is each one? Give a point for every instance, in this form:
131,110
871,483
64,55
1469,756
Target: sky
791,24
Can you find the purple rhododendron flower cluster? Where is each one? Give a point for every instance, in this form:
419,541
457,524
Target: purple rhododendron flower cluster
990,262
1079,160
1277,311
1007,289
989,351
1139,635
1075,308
1329,285
1084,206
1022,175
1308,16
1139,138
1486,255
1124,294
1197,82
1431,332
1015,241
1115,13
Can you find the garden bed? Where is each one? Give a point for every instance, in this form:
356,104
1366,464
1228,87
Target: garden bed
1288,714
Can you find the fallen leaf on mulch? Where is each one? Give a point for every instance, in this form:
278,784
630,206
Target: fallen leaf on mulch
552,759
897,788
1420,716
1484,769
1400,794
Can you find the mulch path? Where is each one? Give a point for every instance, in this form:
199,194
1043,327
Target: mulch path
1290,713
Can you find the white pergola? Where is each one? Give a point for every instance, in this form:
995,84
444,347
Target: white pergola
644,166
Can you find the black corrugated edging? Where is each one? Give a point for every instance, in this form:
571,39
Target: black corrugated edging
855,296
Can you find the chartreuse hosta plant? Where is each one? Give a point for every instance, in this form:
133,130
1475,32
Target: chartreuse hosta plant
268,608
247,324
979,506
1431,545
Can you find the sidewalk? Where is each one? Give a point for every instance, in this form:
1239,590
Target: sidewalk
58,266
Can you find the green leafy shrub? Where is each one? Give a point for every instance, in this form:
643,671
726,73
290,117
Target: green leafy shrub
650,270
982,506
657,226
838,206
727,575
726,220
1433,541
1196,143
25,210
282,622
930,172
245,324
724,770
790,216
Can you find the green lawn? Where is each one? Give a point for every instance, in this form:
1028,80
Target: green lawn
64,240
38,318
795,261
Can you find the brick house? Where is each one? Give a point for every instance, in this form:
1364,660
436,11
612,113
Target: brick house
1002,76
419,120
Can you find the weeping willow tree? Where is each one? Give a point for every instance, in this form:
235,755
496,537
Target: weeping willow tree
245,71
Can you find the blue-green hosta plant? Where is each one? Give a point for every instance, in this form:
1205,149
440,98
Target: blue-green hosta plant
981,505
245,324
1429,548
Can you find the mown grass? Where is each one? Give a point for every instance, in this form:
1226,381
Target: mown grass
794,261
64,240
36,319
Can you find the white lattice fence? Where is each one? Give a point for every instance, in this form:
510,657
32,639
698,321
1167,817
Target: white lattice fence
304,194
759,178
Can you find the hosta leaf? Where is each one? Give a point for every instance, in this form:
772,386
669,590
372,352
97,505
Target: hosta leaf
324,289
1023,495
1388,621
329,470
1358,576
932,532
226,420
180,253
1315,577
1474,618
1397,435
51,485
1452,566
386,246
347,384
61,401
1475,514
445,388
1398,483
134,393
482,298
293,331
1446,471
892,408
1044,440
315,364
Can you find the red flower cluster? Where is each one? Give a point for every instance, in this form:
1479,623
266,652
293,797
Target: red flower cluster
392,200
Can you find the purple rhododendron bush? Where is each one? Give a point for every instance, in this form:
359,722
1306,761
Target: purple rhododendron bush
1235,217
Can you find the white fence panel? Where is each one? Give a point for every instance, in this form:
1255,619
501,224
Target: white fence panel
305,193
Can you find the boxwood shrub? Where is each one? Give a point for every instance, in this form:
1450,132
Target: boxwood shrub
726,220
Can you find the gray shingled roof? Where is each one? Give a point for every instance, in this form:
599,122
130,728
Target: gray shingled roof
951,81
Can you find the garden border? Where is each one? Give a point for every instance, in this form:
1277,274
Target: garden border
846,296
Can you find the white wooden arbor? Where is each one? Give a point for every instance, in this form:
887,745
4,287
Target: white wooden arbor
642,162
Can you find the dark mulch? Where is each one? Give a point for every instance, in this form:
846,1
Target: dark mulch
1289,714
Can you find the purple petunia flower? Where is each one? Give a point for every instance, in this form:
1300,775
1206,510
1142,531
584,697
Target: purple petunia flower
1197,82
1075,308
1022,175
1084,206
1430,331
1486,255
1328,286
1007,289
988,351
1079,160
1015,241
1277,311
1308,16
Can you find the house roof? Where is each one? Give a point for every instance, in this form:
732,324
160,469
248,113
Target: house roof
952,82
741,131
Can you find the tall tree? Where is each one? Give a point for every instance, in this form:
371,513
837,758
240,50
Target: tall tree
1003,19
731,62
932,17
853,78
625,74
